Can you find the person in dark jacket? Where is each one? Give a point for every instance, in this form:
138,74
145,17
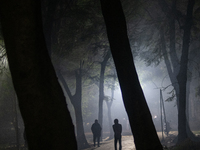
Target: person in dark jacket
96,130
117,128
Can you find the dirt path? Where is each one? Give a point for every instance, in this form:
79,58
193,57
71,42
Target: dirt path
127,144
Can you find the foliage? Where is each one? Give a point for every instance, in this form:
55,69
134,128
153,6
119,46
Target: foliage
147,42
81,28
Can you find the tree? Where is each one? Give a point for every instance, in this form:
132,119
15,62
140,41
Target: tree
76,101
182,75
48,124
171,58
167,42
145,136
85,37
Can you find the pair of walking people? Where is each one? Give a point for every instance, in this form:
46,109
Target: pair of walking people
117,128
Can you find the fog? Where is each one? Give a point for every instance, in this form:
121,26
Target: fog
152,81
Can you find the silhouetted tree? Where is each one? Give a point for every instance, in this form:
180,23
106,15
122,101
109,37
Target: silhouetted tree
145,136
177,74
76,101
170,24
47,121
182,75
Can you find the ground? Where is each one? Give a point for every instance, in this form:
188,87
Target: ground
127,144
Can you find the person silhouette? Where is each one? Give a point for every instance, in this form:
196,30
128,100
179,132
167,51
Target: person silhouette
117,128
96,130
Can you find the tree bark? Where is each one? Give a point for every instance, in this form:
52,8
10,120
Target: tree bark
182,76
145,136
47,121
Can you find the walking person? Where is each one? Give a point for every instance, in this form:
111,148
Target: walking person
117,128
96,130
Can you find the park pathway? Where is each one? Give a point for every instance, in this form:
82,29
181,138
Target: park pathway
127,144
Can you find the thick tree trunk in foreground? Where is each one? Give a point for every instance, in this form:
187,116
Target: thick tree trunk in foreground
48,124
182,76
145,136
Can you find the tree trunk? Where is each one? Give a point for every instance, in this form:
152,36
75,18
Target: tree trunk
182,76
76,101
109,104
101,90
47,121
145,136
81,139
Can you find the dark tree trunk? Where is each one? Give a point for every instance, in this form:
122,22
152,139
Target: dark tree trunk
109,104
172,51
145,135
182,76
47,121
76,101
101,89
